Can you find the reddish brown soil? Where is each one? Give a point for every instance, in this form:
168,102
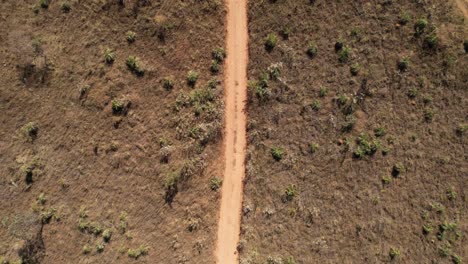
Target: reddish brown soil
339,210
234,140
88,159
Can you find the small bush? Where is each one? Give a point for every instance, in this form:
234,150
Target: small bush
403,64
427,229
339,45
428,115
366,146
168,83
323,91
218,54
117,106
131,36
316,105
354,69
420,26
192,78
461,129
290,192
106,235
44,4
344,54
277,153
465,46
312,50
271,41
431,41
285,33
138,252
404,18
394,253
379,132
456,259
134,66
31,130
86,249
313,147
412,93
349,123
99,247
215,183
66,7
214,68
109,56
274,70
398,169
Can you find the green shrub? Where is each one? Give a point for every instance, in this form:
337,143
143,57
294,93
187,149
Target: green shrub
339,45
192,78
344,54
86,249
366,146
465,46
274,71
99,247
260,88
131,36
41,199
427,229
404,18
134,66
218,54
420,26
168,83
31,129
316,105
313,147
215,183
412,92
403,64
277,153
138,252
271,41
312,50
456,259
66,7
398,169
428,115
44,4
461,129
290,192
349,123
379,132
394,253
214,68
109,56
431,41
285,33
354,69
106,235
323,91
118,106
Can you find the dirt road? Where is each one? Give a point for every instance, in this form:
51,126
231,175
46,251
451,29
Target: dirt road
235,131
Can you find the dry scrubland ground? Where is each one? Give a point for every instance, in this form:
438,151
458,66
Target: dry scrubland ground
103,162
357,151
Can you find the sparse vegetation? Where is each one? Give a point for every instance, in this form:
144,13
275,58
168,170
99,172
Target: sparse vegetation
192,78
137,252
344,54
312,50
403,64
215,183
109,56
134,66
271,41
131,36
277,153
